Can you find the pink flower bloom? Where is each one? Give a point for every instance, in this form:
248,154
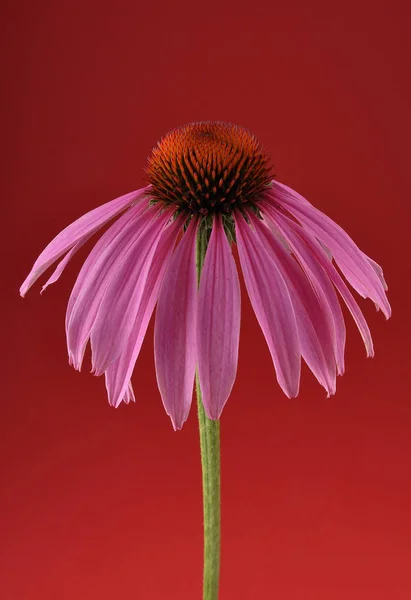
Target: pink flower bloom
210,181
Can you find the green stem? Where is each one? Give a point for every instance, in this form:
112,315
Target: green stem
210,462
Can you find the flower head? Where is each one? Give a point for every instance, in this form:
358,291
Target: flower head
208,167
210,181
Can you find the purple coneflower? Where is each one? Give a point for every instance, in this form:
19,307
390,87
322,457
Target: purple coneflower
215,177
210,182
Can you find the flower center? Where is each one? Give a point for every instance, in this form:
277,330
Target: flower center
208,167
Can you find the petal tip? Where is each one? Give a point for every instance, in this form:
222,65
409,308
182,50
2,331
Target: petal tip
73,362
177,425
178,421
290,393
331,392
293,389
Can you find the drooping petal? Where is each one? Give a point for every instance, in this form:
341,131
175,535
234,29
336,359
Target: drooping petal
315,335
312,246
121,301
218,322
272,305
96,274
356,267
319,280
136,217
175,330
64,262
85,225
118,373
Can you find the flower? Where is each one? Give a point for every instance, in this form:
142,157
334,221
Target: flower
210,182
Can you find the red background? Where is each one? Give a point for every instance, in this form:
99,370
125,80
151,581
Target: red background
99,503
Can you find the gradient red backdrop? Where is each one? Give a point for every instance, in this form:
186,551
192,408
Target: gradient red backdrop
99,503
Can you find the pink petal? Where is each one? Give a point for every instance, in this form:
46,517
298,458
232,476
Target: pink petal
105,245
119,372
355,266
121,301
272,305
218,323
378,270
128,395
96,274
64,262
316,338
175,330
320,282
85,225
312,246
